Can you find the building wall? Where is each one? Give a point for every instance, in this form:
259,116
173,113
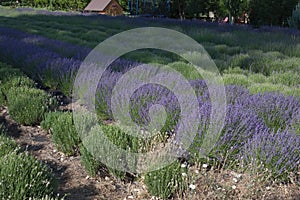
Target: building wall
113,9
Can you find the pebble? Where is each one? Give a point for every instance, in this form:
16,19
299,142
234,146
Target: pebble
192,186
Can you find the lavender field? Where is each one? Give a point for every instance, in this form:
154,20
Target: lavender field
261,73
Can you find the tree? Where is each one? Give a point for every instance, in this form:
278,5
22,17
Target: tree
235,8
271,12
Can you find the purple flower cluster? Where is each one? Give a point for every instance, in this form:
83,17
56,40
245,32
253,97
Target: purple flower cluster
278,152
258,129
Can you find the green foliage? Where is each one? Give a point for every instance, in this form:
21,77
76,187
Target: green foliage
7,72
18,81
51,4
286,78
7,144
256,61
236,79
235,70
50,120
165,182
89,162
27,105
294,20
22,177
257,78
63,131
275,12
187,70
47,197
267,87
2,129
285,65
123,141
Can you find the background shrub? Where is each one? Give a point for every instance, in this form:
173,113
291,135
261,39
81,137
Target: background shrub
256,61
285,78
165,182
266,87
27,105
22,177
257,78
236,79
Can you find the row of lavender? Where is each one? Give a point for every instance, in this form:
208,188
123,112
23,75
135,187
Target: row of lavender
48,61
261,131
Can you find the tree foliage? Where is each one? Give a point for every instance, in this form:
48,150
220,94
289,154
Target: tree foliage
271,12
294,20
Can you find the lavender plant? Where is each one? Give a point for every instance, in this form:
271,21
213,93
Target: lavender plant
7,145
167,181
27,105
273,154
63,131
22,177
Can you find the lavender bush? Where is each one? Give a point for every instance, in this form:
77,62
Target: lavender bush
274,154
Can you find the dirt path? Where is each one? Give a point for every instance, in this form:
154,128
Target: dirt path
72,178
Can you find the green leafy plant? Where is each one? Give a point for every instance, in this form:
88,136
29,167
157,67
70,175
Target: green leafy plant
257,78
117,137
123,141
7,145
27,105
165,182
63,131
89,162
7,72
22,177
256,61
50,119
236,79
18,81
286,78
